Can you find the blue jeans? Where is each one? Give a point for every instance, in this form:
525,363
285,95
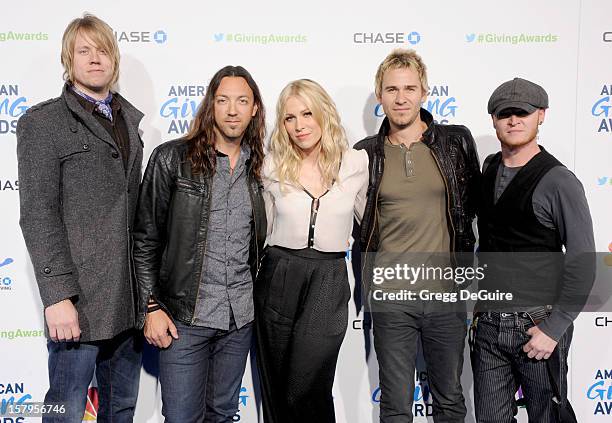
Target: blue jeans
116,363
201,373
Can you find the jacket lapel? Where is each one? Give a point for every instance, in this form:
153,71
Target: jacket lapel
86,118
132,118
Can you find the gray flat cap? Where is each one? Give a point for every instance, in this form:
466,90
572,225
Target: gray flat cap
519,94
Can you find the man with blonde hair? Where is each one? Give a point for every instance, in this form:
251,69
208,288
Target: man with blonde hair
419,210
80,158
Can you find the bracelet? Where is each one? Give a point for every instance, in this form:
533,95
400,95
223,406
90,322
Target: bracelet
153,308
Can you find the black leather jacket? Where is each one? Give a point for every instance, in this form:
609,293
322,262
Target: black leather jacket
171,228
455,153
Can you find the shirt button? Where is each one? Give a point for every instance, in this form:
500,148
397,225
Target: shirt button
115,155
46,270
230,211
86,147
228,237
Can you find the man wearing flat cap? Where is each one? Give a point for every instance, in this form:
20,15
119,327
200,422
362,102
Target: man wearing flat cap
536,236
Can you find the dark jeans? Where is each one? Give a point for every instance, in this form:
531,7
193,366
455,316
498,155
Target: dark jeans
201,373
500,366
116,363
441,329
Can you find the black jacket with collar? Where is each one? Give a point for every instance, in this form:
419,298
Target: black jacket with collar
455,153
171,229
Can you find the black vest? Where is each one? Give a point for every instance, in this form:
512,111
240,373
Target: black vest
510,224
522,255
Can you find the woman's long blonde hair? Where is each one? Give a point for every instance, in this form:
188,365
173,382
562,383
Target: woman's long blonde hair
286,154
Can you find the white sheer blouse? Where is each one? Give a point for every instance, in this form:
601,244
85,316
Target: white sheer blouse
298,220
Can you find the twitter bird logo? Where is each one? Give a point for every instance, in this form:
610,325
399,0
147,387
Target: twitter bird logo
6,262
602,180
219,37
470,37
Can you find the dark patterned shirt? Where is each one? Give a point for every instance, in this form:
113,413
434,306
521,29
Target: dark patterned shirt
226,287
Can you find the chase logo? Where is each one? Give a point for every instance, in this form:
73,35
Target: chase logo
439,103
159,37
412,38
603,321
600,392
9,185
12,106
601,110
6,283
181,106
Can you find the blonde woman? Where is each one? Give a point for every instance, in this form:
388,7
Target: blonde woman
313,187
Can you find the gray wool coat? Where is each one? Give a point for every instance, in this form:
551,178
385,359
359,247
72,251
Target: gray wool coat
77,205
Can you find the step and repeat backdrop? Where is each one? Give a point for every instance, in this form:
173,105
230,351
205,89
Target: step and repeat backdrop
170,50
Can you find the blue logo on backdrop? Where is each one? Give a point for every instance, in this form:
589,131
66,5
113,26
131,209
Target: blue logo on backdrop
160,37
601,109
412,38
422,399
439,103
12,394
242,402
601,392
5,280
12,106
181,106
604,180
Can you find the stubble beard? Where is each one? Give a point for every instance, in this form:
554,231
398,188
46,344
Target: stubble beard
232,135
404,123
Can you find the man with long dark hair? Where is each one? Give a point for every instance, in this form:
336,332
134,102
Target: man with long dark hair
199,235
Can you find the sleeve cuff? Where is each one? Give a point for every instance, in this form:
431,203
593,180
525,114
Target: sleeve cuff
557,323
56,285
